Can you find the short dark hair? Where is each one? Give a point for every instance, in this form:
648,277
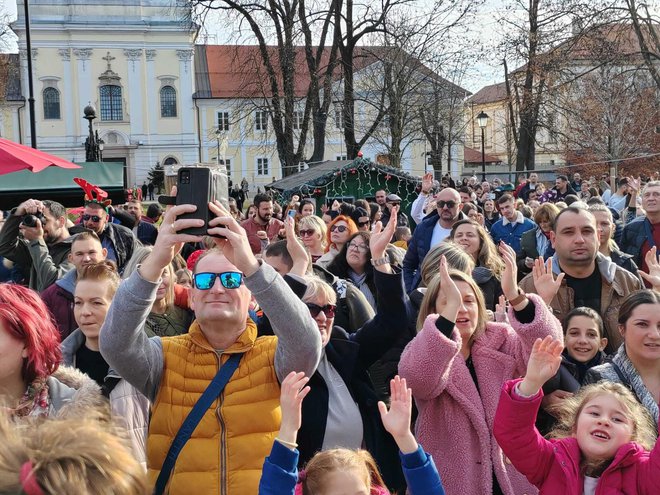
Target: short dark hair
588,313
261,198
154,211
57,209
278,249
464,189
570,199
569,209
563,177
504,198
623,181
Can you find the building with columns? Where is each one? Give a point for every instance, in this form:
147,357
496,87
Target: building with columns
131,59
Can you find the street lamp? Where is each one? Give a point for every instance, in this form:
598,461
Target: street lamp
93,144
482,120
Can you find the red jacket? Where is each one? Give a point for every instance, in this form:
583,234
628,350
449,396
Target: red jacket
553,466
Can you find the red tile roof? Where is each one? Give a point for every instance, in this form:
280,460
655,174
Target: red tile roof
471,155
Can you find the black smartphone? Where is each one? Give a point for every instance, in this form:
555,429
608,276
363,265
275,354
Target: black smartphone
198,186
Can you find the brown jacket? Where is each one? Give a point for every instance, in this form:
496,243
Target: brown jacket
617,283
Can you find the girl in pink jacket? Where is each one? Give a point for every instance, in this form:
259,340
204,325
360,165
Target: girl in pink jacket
456,366
602,448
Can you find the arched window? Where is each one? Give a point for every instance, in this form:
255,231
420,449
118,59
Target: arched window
51,103
111,102
167,101
170,161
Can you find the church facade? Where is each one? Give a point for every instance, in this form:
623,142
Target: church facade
130,59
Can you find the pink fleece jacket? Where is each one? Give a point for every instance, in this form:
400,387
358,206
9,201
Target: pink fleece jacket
455,422
554,465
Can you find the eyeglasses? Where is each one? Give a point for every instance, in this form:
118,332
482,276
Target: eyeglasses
360,247
93,218
448,204
328,310
363,224
394,203
338,228
307,233
229,280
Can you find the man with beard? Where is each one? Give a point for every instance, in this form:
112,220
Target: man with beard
431,232
119,241
145,232
85,249
263,221
41,250
585,277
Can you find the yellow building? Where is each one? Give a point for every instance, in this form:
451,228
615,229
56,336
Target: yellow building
132,60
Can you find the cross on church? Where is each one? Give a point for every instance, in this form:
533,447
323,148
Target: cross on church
108,58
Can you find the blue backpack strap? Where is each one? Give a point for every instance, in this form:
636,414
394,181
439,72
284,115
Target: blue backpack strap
649,233
202,405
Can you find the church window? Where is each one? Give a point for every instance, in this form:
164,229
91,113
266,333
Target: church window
167,101
51,103
111,102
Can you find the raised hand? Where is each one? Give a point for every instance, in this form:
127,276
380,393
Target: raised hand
396,420
169,241
234,242
501,315
653,274
427,183
510,273
295,248
543,364
544,280
293,391
450,291
381,237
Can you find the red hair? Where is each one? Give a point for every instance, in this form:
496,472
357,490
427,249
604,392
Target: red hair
352,229
24,316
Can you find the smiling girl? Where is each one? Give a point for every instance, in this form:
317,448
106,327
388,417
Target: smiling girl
601,446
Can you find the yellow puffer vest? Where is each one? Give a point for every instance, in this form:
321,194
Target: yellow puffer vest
226,452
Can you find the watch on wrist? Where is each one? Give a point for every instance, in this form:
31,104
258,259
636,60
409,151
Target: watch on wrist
385,260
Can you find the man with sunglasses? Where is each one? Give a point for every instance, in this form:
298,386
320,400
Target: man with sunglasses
226,452
431,232
401,218
118,240
40,250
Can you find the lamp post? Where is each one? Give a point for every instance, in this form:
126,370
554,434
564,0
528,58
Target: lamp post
28,56
93,144
482,120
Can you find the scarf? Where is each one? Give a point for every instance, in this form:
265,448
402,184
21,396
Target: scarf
35,400
634,382
582,368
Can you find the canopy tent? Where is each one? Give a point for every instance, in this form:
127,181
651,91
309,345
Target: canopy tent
57,184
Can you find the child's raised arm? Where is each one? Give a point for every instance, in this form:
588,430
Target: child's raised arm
543,364
397,420
294,390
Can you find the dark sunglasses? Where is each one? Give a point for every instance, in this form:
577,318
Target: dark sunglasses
395,203
448,204
229,280
307,233
93,218
363,224
339,228
328,310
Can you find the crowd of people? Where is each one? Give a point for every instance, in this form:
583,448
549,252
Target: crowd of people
496,339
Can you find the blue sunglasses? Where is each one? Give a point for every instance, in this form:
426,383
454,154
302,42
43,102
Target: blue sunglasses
229,280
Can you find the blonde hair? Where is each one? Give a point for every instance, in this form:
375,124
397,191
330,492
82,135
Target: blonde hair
433,290
328,461
314,222
643,431
72,456
455,256
318,287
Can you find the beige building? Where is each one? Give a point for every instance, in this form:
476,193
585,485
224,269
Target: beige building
132,60
235,127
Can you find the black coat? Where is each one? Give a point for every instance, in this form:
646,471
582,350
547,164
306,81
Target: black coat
351,355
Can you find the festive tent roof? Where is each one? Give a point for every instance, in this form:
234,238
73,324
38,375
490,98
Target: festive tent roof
328,173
